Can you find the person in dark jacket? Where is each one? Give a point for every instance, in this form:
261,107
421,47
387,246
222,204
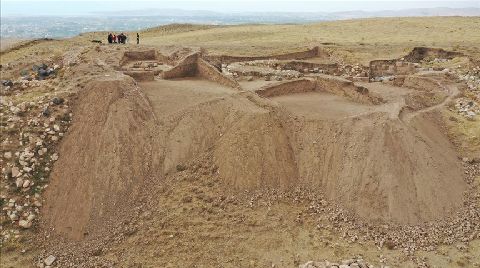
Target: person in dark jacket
138,39
110,38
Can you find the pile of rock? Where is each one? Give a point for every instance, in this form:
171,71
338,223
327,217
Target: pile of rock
9,87
40,72
383,78
356,70
32,131
472,79
467,107
350,263
314,70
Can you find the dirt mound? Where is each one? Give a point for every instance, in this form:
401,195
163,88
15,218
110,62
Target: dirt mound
381,169
122,141
104,159
256,153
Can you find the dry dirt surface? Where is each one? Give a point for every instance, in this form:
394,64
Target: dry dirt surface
214,169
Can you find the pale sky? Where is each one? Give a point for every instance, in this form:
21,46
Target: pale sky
75,7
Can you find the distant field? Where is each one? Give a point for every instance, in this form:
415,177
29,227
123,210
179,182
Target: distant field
359,39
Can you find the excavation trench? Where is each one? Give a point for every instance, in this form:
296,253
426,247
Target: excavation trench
326,133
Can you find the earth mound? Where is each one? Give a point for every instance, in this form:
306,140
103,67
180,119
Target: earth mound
127,137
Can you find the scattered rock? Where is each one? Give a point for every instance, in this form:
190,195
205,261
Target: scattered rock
57,100
7,155
25,224
50,260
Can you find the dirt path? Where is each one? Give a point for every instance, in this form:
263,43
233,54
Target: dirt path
452,94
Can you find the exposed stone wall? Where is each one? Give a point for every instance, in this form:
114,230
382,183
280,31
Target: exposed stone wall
380,68
421,53
186,67
405,65
209,72
290,87
217,60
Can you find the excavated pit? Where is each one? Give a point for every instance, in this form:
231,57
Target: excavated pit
345,140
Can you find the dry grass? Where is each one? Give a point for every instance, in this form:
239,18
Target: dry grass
464,133
359,39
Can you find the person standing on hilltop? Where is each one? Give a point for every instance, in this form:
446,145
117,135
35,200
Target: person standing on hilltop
138,39
114,38
122,38
110,38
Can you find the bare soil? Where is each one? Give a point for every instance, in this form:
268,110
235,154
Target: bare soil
190,172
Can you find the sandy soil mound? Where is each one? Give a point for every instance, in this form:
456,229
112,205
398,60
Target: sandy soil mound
124,139
105,158
381,169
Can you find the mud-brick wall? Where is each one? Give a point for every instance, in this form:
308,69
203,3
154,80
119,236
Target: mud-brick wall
421,53
346,88
141,75
138,55
209,72
217,60
328,68
283,88
390,67
186,67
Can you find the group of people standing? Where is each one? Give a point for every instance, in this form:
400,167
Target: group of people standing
120,39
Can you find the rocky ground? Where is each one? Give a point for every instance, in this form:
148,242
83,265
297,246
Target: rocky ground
35,117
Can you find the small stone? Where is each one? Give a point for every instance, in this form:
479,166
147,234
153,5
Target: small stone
50,260
15,172
31,217
7,155
26,184
19,182
13,217
46,112
25,224
57,101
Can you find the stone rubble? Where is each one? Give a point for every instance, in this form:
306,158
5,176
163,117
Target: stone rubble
29,139
467,108
356,262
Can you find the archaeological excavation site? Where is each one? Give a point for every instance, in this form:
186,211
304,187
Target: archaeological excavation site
175,156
